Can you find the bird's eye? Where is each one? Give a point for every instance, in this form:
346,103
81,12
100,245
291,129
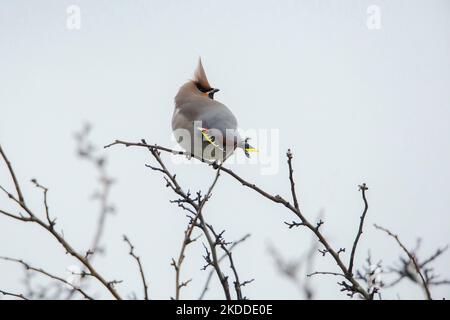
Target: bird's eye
199,87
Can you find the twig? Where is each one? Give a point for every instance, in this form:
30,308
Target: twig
371,275
291,268
50,228
435,255
11,294
45,191
325,272
404,271
411,257
355,287
291,179
223,245
197,208
86,151
47,274
215,261
363,188
208,279
13,176
141,269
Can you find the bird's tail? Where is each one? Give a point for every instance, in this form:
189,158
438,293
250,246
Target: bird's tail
248,148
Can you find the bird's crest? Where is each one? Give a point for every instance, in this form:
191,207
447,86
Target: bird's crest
200,77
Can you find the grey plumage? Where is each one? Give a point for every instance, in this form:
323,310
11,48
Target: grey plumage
196,109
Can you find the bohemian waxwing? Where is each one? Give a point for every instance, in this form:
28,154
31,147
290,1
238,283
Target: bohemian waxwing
203,126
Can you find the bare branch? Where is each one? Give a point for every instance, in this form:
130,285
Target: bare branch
291,179
434,256
59,237
354,287
13,175
363,188
208,279
197,205
411,257
87,151
325,272
47,274
47,213
237,283
407,269
141,269
11,294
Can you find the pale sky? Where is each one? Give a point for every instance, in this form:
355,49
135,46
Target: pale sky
354,104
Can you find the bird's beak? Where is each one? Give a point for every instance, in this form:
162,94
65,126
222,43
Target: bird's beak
211,93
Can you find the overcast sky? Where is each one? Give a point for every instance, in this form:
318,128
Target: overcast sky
355,101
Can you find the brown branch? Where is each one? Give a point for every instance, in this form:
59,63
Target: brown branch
45,191
197,208
363,188
20,218
370,274
355,287
325,272
291,268
433,257
141,269
208,279
59,237
47,274
237,283
177,264
411,257
13,175
215,261
404,271
145,145
291,179
87,151
15,295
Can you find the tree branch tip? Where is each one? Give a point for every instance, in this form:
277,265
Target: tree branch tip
363,187
289,154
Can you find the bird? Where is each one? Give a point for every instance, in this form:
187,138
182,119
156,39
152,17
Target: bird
203,126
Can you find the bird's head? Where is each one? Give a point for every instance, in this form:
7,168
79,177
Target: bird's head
201,82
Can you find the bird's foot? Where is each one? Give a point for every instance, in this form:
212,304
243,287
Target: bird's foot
215,165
